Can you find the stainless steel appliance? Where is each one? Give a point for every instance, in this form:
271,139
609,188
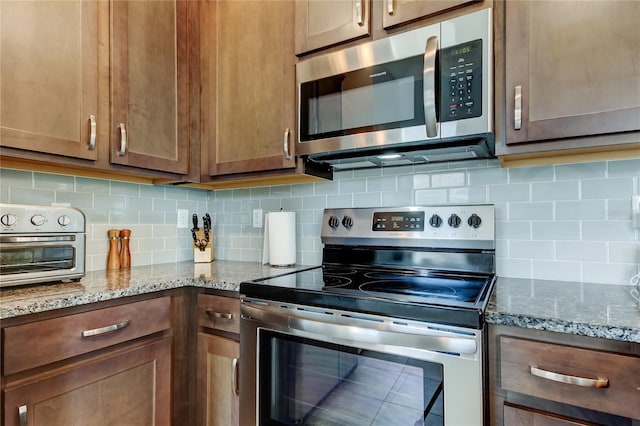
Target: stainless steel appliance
40,244
388,330
420,96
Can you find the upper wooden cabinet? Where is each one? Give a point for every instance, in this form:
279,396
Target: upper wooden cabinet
248,86
396,12
150,85
321,23
572,69
49,76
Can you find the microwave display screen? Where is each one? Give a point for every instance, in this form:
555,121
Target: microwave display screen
375,98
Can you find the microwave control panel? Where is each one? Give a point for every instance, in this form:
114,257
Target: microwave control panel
461,81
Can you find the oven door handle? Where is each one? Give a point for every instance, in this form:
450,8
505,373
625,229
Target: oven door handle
36,239
424,340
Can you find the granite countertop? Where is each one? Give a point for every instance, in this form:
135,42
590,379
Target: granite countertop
587,309
595,310
98,286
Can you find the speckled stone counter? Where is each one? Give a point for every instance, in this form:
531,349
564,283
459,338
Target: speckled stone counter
98,286
595,310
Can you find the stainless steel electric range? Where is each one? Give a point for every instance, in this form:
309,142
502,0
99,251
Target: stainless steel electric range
388,330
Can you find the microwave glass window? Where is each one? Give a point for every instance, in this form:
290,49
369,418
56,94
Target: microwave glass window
381,97
305,381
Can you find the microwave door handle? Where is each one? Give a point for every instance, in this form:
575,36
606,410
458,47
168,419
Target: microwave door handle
429,86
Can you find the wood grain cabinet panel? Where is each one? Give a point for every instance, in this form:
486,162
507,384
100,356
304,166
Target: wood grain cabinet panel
128,387
49,74
396,12
150,85
219,313
572,69
522,416
218,391
618,376
321,24
248,91
39,343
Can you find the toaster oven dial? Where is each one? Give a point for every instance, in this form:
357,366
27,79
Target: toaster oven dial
64,220
8,219
38,220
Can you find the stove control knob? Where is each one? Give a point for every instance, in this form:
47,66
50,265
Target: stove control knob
8,219
347,222
474,221
334,222
435,221
454,221
38,220
64,220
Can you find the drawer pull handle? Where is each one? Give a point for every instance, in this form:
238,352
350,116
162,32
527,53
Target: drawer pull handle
210,313
22,415
571,380
107,329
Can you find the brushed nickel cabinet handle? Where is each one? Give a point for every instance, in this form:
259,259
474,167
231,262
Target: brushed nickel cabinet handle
287,153
359,12
22,415
390,10
92,132
571,380
234,376
517,110
210,313
429,86
123,139
107,329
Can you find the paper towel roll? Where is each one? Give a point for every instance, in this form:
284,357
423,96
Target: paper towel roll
279,247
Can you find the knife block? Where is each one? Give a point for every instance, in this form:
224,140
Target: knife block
205,255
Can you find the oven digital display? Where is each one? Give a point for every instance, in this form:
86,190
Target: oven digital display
398,221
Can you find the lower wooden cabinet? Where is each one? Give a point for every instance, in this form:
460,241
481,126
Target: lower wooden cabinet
520,416
130,387
218,381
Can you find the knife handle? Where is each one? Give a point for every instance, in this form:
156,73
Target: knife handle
195,222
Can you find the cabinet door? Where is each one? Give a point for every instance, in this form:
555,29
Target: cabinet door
248,91
320,23
218,399
572,69
149,88
397,12
49,76
128,387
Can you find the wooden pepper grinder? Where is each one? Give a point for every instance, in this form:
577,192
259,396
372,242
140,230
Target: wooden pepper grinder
125,253
113,259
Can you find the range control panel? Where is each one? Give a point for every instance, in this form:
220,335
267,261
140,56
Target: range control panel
450,226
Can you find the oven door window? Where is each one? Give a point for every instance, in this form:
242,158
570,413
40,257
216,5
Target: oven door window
305,381
381,97
20,259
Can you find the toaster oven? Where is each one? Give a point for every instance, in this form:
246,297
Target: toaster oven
41,244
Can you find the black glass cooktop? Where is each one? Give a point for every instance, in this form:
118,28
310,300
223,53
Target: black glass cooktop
424,295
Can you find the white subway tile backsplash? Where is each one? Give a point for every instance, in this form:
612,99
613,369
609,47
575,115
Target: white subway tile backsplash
431,196
581,210
548,230
531,211
550,191
568,222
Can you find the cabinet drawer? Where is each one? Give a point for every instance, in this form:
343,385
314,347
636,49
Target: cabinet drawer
523,362
522,416
220,313
43,342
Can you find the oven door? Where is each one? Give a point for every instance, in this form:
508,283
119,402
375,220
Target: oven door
27,259
303,365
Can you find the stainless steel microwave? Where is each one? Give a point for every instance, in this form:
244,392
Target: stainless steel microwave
426,93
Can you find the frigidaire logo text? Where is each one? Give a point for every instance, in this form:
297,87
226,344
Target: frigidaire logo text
378,74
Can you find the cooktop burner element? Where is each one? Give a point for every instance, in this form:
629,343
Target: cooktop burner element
434,263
